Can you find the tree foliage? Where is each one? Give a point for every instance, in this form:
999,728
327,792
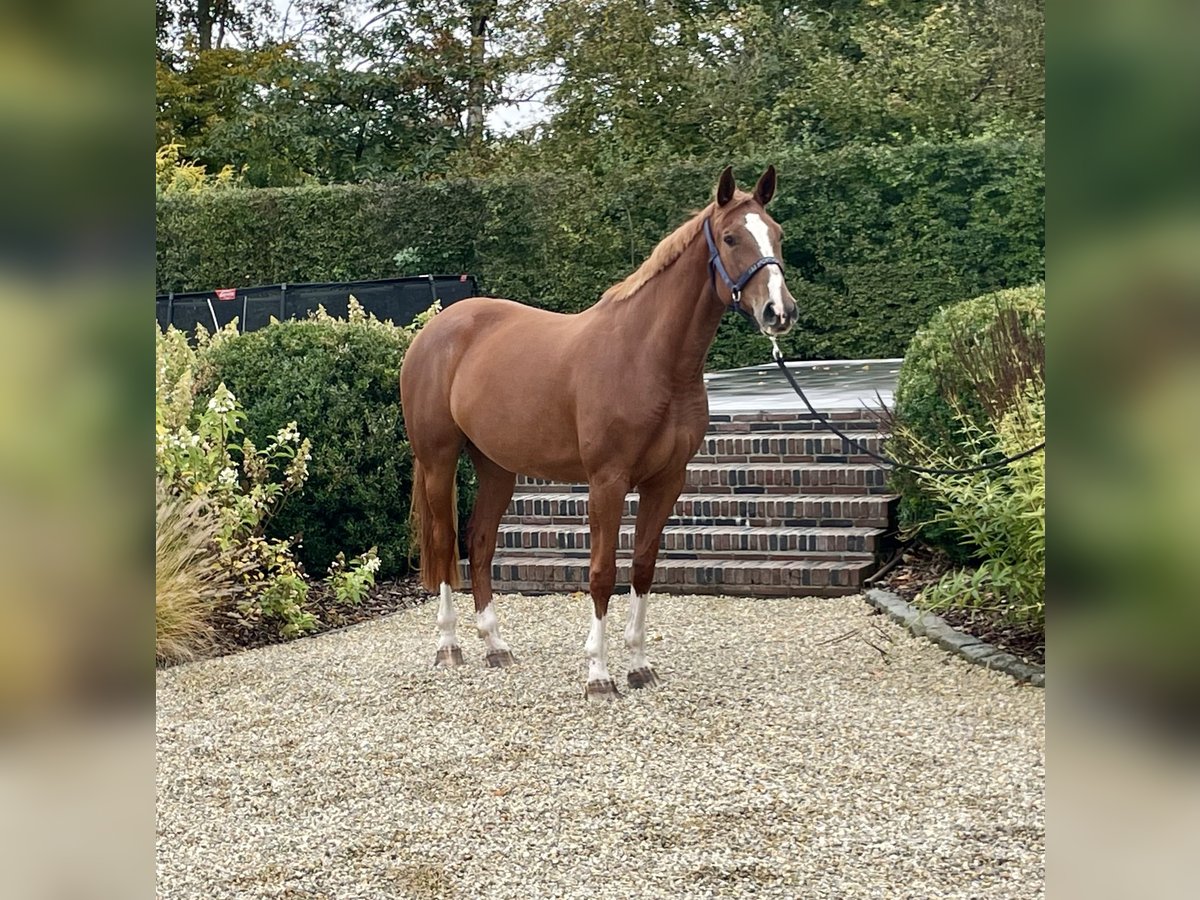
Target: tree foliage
325,91
373,89
909,135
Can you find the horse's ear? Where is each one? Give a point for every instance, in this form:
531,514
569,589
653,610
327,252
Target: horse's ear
725,187
765,189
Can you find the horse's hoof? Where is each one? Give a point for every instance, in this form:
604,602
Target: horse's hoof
601,690
499,659
643,677
448,658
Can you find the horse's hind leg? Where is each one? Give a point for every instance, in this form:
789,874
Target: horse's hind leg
656,500
439,562
495,492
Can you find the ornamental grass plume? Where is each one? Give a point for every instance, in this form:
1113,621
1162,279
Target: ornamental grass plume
190,579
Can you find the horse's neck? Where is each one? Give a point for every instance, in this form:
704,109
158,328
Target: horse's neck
674,316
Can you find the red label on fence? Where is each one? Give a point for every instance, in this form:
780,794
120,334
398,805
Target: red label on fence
462,277
226,293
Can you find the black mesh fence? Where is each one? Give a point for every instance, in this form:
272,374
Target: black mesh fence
398,299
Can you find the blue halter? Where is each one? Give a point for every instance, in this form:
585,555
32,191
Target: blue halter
715,267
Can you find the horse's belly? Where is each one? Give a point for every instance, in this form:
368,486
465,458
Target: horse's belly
520,425
529,451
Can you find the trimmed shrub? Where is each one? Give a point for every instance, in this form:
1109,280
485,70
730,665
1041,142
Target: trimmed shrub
220,577
961,375
876,238
338,381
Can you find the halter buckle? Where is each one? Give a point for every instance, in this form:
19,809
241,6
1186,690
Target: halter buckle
735,297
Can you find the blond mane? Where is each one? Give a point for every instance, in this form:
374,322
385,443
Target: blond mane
668,250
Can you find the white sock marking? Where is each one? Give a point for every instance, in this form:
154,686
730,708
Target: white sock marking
446,619
762,235
635,631
488,627
596,649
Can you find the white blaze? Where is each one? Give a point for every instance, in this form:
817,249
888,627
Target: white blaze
488,627
596,649
635,631
759,231
446,619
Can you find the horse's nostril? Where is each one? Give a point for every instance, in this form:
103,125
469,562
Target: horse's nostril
768,314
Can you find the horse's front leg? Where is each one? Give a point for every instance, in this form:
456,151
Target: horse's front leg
656,501
606,500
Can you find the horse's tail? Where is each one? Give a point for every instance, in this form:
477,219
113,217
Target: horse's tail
422,533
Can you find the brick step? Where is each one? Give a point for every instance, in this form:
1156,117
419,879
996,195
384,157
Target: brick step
763,478
845,420
786,447
693,541
786,478
742,577
792,510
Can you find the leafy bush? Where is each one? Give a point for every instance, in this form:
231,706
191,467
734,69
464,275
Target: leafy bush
217,494
960,376
351,581
175,175
876,238
199,454
1001,513
338,381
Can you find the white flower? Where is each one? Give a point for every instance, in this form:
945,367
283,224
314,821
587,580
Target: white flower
228,476
289,433
222,400
371,565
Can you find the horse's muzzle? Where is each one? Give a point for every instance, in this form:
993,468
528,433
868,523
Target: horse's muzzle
776,322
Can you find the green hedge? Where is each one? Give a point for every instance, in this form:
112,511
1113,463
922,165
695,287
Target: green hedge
932,375
876,239
339,381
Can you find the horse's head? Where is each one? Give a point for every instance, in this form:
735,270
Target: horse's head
744,254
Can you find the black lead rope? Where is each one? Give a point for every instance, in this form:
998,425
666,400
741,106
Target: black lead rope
777,354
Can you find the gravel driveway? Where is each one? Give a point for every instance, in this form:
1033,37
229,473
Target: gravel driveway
782,757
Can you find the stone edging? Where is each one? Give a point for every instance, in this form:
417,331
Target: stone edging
926,624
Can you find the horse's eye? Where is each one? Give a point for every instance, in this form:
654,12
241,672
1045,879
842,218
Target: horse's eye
729,239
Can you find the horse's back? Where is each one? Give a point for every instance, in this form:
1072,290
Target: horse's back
492,311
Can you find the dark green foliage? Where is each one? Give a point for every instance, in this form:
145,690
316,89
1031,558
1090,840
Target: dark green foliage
339,382
976,354
875,239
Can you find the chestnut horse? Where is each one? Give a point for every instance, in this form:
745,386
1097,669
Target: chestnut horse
613,396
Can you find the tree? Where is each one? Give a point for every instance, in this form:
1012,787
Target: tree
369,89
329,91
479,15
952,70
202,25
